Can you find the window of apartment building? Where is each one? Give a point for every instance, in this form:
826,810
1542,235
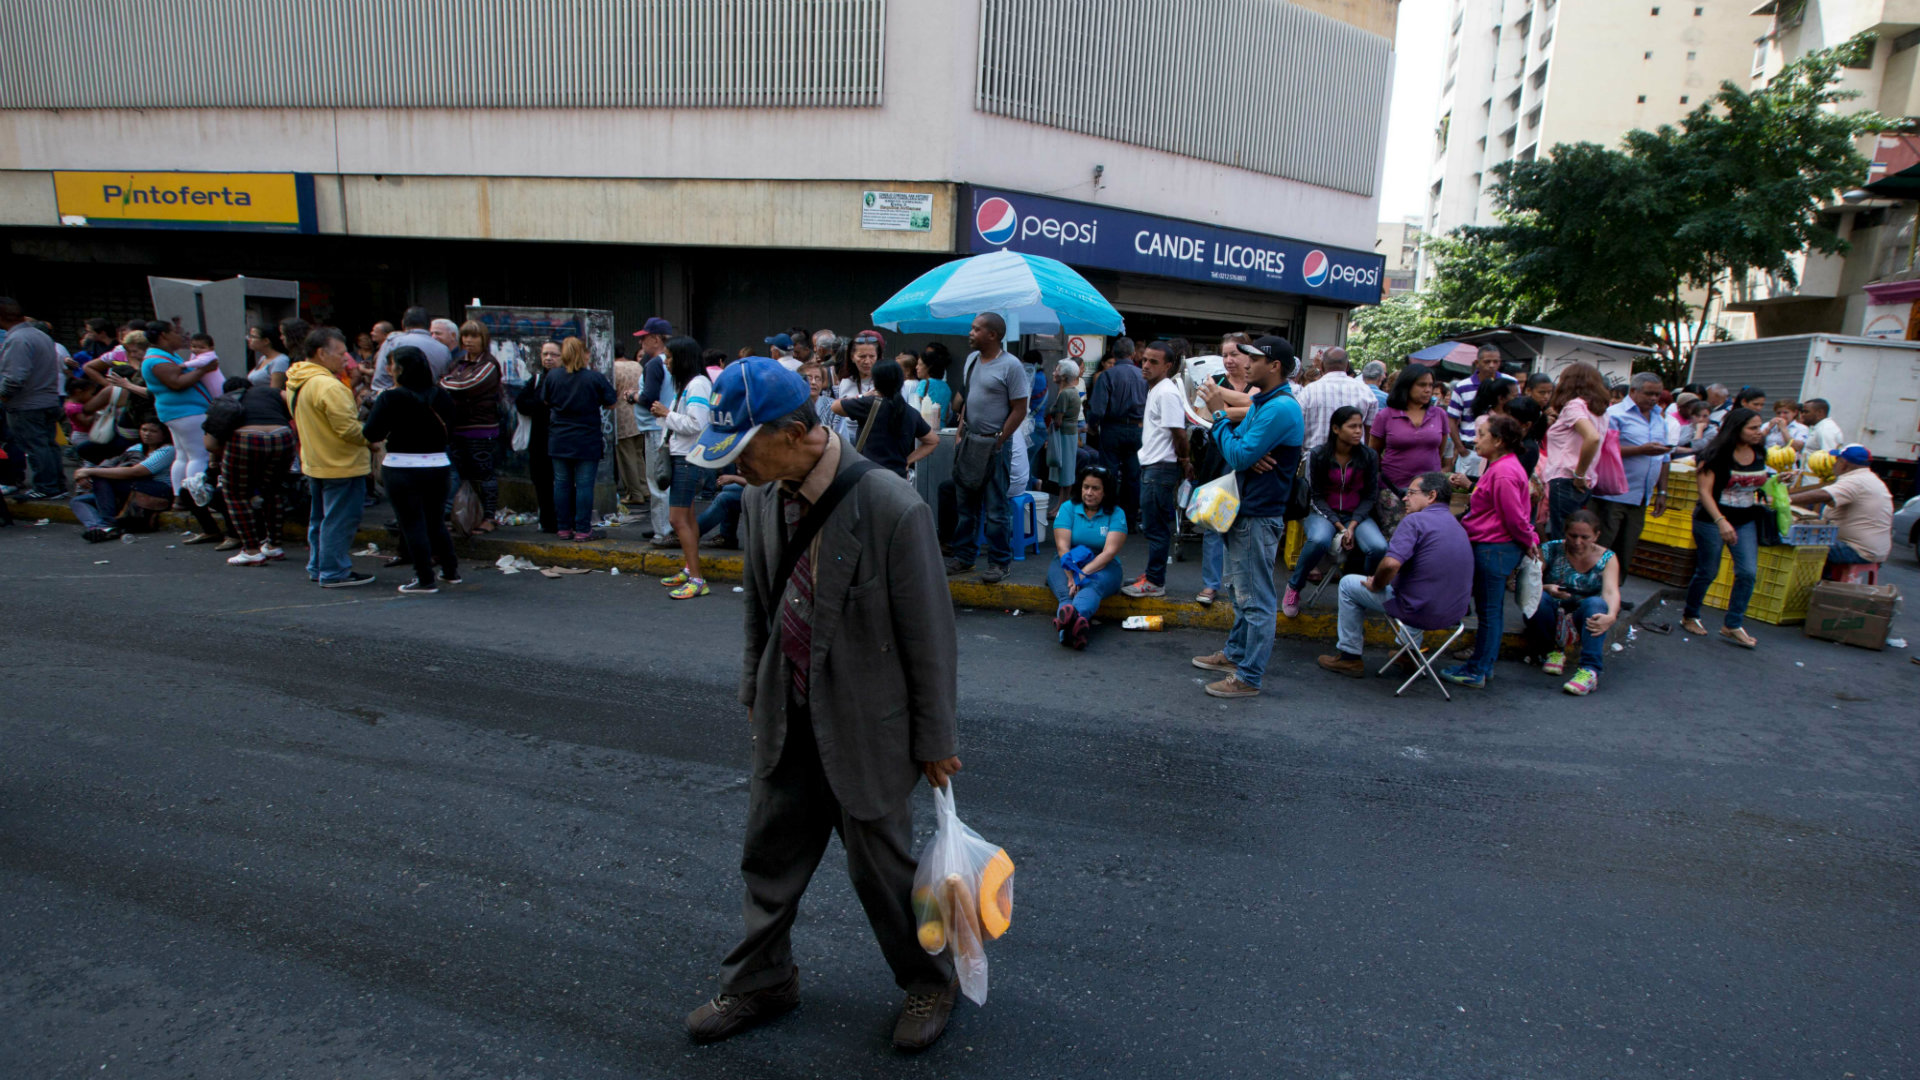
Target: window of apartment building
1691,56
1699,11
1683,99
1656,11
1643,99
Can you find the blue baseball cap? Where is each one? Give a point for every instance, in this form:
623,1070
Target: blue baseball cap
1855,453
781,341
751,392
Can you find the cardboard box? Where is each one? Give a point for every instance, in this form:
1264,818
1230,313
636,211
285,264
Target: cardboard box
1852,614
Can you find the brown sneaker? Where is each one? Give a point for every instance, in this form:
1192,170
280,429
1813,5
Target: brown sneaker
1341,664
1216,662
923,1018
728,1015
1232,687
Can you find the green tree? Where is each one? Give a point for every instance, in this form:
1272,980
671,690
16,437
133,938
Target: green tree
1616,242
1398,325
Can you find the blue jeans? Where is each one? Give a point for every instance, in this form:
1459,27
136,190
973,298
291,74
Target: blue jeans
1100,584
31,432
1541,627
331,523
1492,565
1706,566
1842,554
1213,558
990,499
723,514
1356,601
1159,497
1319,541
1253,546
100,508
573,492
1562,500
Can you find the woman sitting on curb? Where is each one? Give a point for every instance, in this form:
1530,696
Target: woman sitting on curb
1581,580
1088,535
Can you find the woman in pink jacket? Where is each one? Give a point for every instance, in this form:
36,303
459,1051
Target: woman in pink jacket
1499,521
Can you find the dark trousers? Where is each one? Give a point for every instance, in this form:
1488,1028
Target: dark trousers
418,496
1620,525
573,492
30,437
473,458
1562,500
1159,492
1120,452
986,503
790,817
540,475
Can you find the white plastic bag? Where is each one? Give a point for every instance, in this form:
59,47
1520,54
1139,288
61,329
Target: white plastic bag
523,433
962,895
1215,503
1527,589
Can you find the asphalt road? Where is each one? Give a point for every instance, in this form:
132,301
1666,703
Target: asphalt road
250,828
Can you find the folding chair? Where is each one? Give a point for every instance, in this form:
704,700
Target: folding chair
1409,639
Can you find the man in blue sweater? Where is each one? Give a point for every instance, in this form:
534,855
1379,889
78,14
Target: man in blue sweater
1259,433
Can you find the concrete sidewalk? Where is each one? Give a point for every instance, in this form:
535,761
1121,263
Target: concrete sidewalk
1024,589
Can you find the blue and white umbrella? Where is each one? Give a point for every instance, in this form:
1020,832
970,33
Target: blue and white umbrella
1033,293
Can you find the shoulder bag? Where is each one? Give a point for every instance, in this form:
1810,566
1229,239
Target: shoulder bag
106,424
806,530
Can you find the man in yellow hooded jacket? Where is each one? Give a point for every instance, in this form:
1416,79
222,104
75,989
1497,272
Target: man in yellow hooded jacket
333,457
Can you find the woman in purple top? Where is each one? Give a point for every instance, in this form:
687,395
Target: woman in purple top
1343,477
1409,433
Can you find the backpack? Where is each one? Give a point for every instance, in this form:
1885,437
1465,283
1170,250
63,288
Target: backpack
226,414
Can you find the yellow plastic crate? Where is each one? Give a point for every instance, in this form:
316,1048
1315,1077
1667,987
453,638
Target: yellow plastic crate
1787,577
1673,528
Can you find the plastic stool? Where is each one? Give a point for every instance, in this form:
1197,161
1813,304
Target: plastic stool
1022,530
1865,573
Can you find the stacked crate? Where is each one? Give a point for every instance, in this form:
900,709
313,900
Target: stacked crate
1787,577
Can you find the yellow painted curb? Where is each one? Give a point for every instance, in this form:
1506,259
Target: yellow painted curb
966,591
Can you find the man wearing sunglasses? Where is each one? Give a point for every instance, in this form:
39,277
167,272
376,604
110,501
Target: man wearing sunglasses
1259,433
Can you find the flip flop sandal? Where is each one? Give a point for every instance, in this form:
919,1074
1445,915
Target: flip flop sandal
1739,637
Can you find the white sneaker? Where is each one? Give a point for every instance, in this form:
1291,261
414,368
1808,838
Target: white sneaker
244,559
272,552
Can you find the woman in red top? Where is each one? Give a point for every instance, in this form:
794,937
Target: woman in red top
1499,521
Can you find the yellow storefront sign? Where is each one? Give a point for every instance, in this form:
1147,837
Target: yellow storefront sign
272,202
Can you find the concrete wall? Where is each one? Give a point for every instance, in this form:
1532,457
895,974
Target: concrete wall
927,130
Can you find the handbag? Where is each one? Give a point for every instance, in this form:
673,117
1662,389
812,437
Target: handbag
523,434
1300,495
107,423
1609,471
973,459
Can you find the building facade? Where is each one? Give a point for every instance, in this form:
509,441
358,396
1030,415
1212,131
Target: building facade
1399,245
1523,76
1869,290
737,165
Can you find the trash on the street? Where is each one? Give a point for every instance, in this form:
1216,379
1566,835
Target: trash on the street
1896,643
371,549
513,564
1144,622
962,895
44,521
101,562
615,571
1799,663
738,588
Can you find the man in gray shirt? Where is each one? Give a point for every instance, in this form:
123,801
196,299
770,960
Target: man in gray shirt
413,331
995,405
30,391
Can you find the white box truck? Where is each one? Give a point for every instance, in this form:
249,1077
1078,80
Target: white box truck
1871,385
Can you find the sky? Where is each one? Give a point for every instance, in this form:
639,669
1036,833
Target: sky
1419,51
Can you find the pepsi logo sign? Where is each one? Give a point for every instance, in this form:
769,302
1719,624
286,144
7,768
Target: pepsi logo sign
996,221
1313,268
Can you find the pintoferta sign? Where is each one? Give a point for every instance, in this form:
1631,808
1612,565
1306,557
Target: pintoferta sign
1081,234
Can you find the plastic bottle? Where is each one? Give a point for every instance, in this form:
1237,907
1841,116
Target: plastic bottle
1144,622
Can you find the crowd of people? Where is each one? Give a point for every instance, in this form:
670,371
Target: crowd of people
1563,469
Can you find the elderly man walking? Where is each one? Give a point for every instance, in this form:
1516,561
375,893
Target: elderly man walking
849,682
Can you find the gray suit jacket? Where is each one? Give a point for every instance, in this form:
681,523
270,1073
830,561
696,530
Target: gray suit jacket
884,675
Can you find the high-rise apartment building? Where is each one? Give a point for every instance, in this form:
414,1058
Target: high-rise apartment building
1523,76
